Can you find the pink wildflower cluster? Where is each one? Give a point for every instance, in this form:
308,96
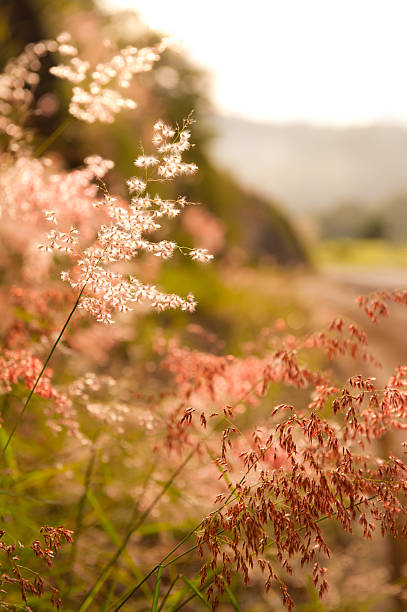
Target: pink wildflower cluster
19,365
101,100
104,290
17,85
376,304
37,193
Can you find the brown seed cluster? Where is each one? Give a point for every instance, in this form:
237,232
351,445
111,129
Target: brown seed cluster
14,573
327,467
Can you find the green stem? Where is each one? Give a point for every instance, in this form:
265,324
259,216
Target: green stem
167,594
192,548
157,590
79,516
201,590
187,536
48,141
121,604
107,569
20,416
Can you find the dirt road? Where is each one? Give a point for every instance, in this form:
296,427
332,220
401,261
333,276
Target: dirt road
334,291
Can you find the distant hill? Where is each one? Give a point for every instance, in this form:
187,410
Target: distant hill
311,168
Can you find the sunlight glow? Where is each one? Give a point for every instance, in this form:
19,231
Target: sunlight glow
324,61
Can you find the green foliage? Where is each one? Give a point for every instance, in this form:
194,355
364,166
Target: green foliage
368,253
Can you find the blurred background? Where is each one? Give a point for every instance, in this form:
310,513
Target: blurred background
301,142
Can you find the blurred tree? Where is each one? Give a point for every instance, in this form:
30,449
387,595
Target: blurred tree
374,227
387,221
346,220
394,218
171,91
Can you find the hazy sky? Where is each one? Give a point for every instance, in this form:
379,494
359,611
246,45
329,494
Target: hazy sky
324,61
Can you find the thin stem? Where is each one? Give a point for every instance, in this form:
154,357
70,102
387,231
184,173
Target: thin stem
201,589
48,141
225,503
20,416
185,538
106,571
121,604
183,554
167,594
79,516
192,548
78,299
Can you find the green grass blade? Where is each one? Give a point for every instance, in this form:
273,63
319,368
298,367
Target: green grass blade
168,593
9,456
176,598
103,520
109,597
111,532
232,598
108,567
195,589
79,518
157,590
201,590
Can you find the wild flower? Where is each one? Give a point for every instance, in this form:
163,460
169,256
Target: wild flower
104,291
327,466
101,98
17,85
201,255
34,585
